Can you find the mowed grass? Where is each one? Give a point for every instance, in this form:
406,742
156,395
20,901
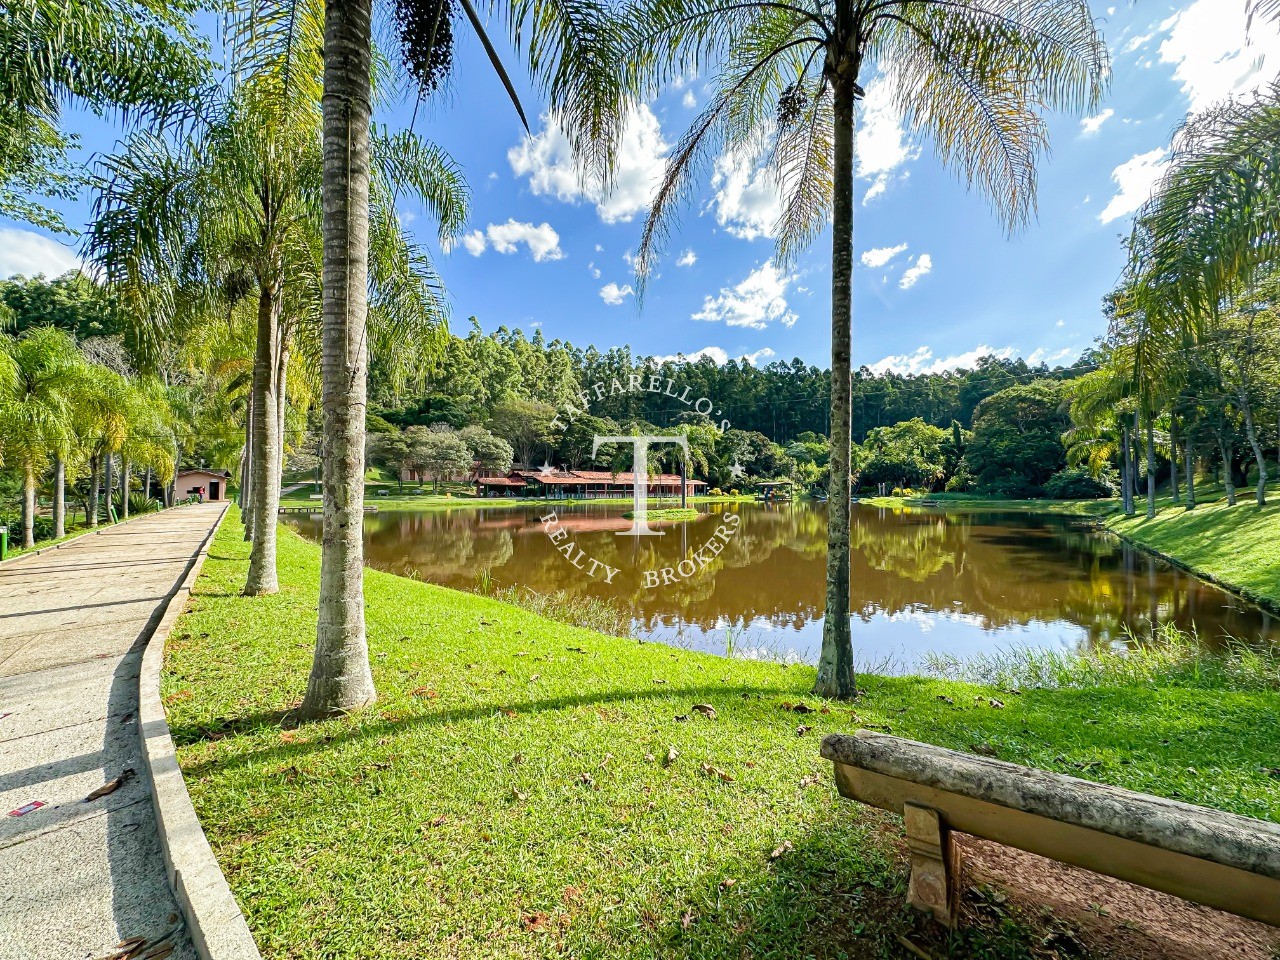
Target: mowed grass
528,789
1239,545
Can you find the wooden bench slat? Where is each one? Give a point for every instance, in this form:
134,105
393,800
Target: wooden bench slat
1231,840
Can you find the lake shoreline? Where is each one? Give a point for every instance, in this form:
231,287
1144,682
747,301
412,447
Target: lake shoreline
567,762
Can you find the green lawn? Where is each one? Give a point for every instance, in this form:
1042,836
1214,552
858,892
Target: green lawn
959,503
1238,546
462,496
529,789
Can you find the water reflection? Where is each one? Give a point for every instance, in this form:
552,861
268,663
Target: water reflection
922,580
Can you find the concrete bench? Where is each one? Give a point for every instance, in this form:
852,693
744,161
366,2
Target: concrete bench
1221,860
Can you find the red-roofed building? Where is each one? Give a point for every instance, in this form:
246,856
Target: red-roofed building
580,484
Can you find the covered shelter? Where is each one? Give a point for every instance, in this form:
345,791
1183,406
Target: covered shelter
190,483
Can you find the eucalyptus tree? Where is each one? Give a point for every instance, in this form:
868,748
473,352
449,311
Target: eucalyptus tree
40,372
975,75
567,45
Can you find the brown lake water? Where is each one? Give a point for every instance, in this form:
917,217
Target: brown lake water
923,580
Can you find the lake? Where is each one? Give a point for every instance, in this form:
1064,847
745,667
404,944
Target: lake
923,579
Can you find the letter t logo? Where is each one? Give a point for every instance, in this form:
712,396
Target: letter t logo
640,473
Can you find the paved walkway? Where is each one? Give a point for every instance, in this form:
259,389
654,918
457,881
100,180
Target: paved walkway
78,877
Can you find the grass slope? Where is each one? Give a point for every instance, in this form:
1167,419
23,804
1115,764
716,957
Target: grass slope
1238,546
511,794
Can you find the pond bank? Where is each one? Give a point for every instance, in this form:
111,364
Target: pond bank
525,787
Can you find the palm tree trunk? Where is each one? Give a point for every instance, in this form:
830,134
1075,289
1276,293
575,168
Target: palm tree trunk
28,504
1173,458
1247,409
1227,480
340,676
835,665
247,467
125,469
1127,499
94,477
108,484
282,399
1191,475
59,497
1151,470
265,494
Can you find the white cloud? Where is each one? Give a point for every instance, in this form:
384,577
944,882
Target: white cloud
746,200
921,268
612,294
1091,125
756,302
1213,56
593,270
1061,323
548,163
879,256
1135,178
688,258
542,241
923,360
1041,355
689,101
718,354
28,253
883,142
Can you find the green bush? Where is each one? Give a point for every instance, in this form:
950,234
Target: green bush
1072,484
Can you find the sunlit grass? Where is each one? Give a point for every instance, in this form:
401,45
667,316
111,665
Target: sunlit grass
526,788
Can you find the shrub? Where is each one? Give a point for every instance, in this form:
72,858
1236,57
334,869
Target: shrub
1072,484
963,481
1013,487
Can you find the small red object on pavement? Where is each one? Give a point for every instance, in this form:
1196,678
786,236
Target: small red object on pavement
27,808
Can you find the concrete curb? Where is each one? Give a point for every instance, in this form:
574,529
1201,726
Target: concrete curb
94,532
217,927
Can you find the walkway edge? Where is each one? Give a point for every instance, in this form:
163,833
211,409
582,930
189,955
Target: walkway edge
217,927
76,537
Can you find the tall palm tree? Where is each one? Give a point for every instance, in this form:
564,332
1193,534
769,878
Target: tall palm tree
567,43
234,211
975,75
39,375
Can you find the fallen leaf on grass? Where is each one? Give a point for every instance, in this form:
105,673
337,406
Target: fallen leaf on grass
781,850
605,762
659,681
426,693
571,895
999,705
575,649
586,779
111,786
519,794
648,758
798,707
810,780
706,709
682,718
671,756
944,698
985,749
687,919
533,922
711,771
802,730
535,677
439,821
726,884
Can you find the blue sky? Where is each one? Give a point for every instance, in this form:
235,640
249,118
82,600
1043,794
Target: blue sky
937,283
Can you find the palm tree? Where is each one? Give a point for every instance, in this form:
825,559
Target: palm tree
566,43
977,75
139,58
234,212
99,427
39,375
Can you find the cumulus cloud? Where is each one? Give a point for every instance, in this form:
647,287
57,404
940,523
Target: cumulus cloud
687,259
922,267
542,242
879,256
1091,125
756,302
883,142
923,360
717,354
746,200
1134,179
593,270
612,294
689,101
548,163
1213,55
27,253
1041,355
